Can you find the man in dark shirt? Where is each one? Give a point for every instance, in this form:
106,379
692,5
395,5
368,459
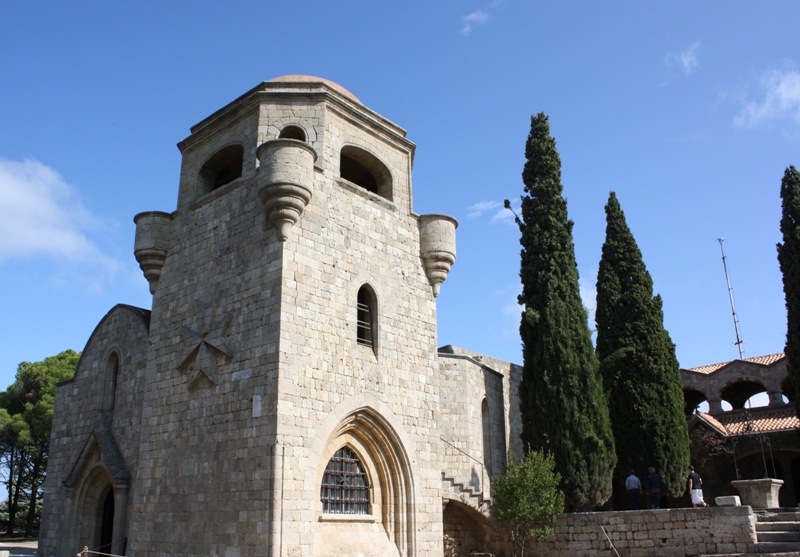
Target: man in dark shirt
652,486
696,488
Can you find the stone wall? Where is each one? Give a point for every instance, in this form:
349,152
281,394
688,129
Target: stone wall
654,533
471,451
75,453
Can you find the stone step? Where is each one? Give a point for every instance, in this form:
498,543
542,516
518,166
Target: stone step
785,554
778,515
777,526
467,489
772,536
778,547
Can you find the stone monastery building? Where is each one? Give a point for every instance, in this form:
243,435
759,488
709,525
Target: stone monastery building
284,396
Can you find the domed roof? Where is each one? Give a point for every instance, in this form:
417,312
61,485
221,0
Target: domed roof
310,78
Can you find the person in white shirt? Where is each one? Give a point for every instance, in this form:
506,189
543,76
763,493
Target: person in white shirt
634,487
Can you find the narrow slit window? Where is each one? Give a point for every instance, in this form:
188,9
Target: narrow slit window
365,318
344,487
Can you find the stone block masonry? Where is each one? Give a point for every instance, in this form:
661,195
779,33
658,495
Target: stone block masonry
653,533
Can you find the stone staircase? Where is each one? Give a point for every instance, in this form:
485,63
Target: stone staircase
777,532
467,494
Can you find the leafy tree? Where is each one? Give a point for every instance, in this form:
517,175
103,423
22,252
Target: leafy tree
789,259
527,500
563,407
640,371
26,419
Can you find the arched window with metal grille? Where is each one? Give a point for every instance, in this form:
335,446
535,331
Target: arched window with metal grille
344,489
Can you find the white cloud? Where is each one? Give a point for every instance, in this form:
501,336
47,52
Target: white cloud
497,209
483,206
469,21
41,216
779,100
686,60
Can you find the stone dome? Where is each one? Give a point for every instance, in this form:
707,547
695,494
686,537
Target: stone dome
310,78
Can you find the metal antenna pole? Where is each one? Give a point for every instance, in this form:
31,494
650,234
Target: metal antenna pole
739,341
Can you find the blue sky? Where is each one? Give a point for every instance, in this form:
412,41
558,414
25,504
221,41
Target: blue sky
690,111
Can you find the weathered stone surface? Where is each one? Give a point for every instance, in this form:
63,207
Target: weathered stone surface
225,404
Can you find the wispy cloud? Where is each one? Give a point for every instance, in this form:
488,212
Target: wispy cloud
687,60
778,100
41,216
482,207
470,21
496,209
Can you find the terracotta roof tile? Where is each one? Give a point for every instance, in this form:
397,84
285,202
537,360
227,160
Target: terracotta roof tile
715,423
767,360
766,420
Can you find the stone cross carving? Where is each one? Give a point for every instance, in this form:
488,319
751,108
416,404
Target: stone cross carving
205,344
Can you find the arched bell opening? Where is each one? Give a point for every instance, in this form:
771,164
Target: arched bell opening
365,170
223,167
738,393
694,401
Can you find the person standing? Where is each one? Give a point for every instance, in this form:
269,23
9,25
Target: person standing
696,488
652,486
634,487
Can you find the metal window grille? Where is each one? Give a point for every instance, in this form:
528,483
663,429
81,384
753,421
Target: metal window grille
344,485
364,319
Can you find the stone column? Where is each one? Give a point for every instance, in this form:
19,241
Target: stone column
775,398
120,530
714,405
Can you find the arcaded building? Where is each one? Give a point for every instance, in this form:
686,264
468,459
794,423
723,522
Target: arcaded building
285,395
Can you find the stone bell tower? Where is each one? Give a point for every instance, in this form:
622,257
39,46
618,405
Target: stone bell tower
292,336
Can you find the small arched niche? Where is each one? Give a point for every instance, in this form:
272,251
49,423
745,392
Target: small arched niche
223,167
363,169
293,132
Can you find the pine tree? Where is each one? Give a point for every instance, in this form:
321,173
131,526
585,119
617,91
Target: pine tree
637,360
789,259
563,406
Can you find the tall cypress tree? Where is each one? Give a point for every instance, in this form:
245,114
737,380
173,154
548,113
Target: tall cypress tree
789,259
564,410
637,360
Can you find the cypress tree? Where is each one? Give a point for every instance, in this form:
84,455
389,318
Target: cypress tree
562,403
789,259
637,360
